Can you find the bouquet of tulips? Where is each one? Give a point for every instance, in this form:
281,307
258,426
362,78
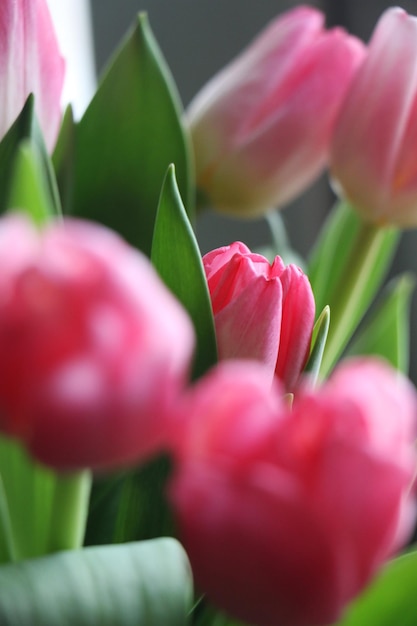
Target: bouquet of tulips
219,440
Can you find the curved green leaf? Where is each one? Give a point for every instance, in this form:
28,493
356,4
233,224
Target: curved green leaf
128,136
390,600
387,333
177,258
320,331
146,583
348,267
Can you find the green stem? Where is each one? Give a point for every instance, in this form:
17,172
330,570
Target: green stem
69,511
278,230
352,294
7,547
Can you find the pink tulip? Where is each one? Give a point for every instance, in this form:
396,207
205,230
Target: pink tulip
261,311
30,62
373,154
93,347
287,514
261,127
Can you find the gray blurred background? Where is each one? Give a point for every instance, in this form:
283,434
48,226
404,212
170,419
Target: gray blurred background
197,38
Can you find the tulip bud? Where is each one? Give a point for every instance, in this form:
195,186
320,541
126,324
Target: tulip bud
287,514
30,62
261,311
93,347
373,153
261,127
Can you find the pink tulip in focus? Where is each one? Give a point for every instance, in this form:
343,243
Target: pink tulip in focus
30,62
373,158
261,311
261,127
287,514
93,347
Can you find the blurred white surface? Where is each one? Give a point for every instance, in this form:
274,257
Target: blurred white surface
72,19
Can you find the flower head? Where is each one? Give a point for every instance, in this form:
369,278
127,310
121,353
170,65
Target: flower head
287,514
261,311
261,127
93,347
373,153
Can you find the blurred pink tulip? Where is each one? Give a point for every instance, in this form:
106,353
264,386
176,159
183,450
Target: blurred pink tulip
261,127
30,62
93,347
287,514
261,311
373,158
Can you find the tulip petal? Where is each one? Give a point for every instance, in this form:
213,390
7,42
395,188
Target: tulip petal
248,331
374,120
30,62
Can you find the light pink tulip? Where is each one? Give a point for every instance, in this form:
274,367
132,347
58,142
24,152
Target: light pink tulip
261,311
287,514
373,159
30,62
93,347
261,127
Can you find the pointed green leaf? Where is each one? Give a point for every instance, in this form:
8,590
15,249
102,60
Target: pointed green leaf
390,600
145,583
130,133
28,189
63,157
320,331
26,129
387,333
177,258
347,269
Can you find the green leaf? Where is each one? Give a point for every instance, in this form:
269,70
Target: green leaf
145,583
387,333
28,189
131,506
320,331
391,598
14,164
177,258
28,491
128,136
63,157
348,267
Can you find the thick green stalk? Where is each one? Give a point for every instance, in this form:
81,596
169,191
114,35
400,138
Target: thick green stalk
69,511
7,547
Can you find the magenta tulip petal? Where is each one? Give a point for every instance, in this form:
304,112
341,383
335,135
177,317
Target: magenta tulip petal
287,513
261,311
93,347
30,62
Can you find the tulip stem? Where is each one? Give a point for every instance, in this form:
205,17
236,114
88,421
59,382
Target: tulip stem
354,289
7,547
69,511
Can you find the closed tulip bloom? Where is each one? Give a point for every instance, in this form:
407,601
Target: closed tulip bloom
93,347
287,514
261,127
373,158
261,311
30,62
